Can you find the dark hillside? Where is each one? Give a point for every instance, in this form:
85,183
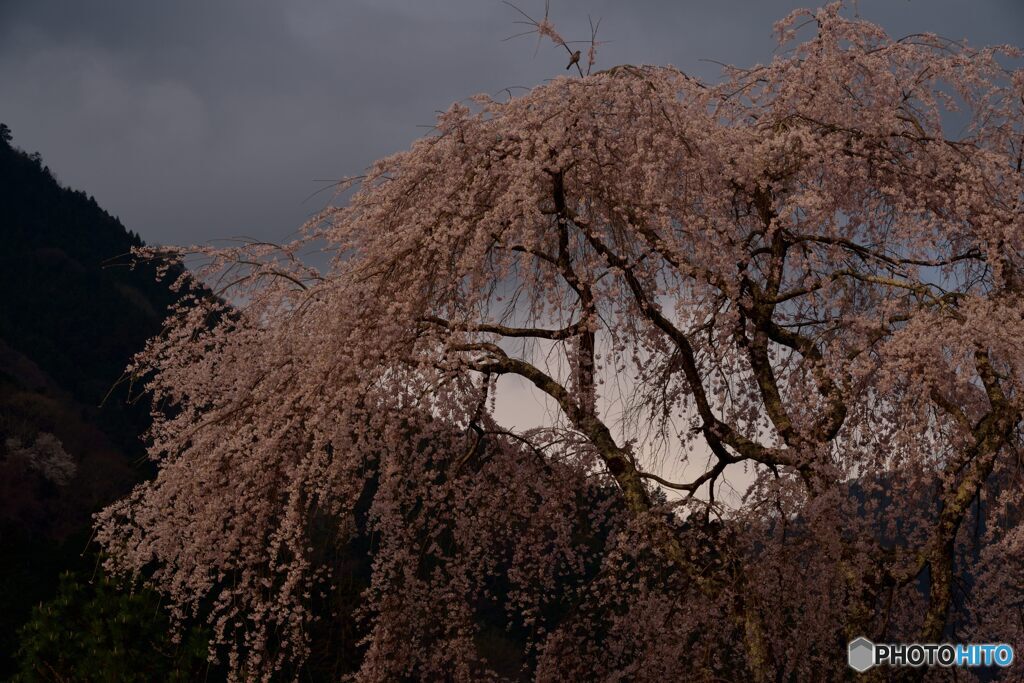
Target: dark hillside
73,313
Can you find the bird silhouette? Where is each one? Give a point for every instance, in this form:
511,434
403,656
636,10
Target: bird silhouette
575,59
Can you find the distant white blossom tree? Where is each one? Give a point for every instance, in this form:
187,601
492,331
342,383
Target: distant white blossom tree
45,455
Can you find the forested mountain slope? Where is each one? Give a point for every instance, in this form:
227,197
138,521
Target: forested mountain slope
72,314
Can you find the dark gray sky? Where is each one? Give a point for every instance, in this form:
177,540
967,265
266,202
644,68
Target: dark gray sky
197,119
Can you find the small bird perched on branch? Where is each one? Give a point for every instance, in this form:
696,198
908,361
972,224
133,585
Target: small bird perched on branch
574,59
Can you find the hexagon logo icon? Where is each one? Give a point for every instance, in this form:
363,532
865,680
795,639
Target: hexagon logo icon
861,655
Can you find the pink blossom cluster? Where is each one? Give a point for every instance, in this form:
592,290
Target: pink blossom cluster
803,273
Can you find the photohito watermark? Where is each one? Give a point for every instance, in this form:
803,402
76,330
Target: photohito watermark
863,654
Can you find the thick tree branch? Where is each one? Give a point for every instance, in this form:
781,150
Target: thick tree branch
716,432
506,331
617,461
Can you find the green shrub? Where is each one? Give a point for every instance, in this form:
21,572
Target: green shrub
95,631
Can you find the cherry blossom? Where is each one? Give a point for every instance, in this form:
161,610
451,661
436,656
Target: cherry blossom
809,272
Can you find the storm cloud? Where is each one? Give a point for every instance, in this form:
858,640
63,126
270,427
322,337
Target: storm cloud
195,120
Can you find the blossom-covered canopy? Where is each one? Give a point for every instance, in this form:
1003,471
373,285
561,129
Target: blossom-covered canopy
810,272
